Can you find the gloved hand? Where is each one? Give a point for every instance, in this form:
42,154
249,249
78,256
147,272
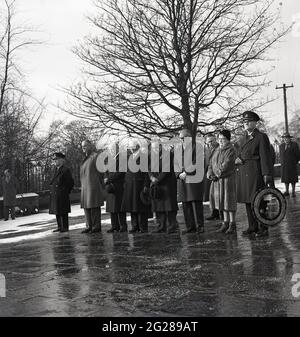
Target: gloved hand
268,180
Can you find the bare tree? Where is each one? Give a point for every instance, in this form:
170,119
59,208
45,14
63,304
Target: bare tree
156,65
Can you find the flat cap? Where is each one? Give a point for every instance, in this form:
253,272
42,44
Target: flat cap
250,116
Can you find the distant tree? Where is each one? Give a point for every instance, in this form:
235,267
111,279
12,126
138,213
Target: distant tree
154,66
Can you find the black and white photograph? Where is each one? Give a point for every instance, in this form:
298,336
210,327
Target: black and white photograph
149,161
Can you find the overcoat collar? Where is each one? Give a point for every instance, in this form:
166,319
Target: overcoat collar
248,138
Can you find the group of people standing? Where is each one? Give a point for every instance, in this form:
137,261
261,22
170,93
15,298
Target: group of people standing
235,172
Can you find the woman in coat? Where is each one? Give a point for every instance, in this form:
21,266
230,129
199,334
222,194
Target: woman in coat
60,187
221,171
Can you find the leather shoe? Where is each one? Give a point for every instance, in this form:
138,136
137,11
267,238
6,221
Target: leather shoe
96,230
223,227
159,230
123,230
56,230
293,194
200,229
85,231
248,232
64,230
262,233
212,217
286,194
112,230
231,229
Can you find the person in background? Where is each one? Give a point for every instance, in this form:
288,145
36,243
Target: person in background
212,145
60,187
289,158
92,189
10,187
221,171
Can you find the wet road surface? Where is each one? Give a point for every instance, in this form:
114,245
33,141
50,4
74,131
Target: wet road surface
122,274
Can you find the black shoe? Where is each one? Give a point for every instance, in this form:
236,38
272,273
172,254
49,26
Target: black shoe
262,233
286,194
112,230
223,227
123,230
200,229
85,231
293,195
64,230
248,232
171,230
96,230
56,230
187,231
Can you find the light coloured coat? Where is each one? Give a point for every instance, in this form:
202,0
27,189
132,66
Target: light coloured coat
222,166
92,190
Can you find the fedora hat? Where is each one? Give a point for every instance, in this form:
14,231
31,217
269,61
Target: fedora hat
286,135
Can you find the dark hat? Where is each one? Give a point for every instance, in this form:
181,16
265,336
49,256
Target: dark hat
286,135
58,155
250,116
145,196
226,133
110,188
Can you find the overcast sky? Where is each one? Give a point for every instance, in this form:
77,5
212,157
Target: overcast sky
63,23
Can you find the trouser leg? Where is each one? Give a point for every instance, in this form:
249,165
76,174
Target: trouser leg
65,222
252,223
6,212
188,215
96,218
161,219
12,212
88,218
59,222
114,221
143,221
122,221
198,213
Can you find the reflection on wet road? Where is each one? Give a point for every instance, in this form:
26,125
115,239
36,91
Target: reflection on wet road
155,274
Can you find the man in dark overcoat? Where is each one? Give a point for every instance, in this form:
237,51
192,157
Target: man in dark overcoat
163,191
254,169
191,196
134,184
289,158
60,187
10,187
114,184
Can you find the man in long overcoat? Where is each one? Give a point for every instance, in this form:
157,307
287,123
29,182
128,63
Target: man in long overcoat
191,196
60,187
134,184
114,184
10,186
254,168
92,189
289,158
164,195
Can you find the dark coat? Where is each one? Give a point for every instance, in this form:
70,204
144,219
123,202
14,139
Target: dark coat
255,153
189,191
134,184
60,188
10,190
167,186
223,191
92,189
289,158
114,200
